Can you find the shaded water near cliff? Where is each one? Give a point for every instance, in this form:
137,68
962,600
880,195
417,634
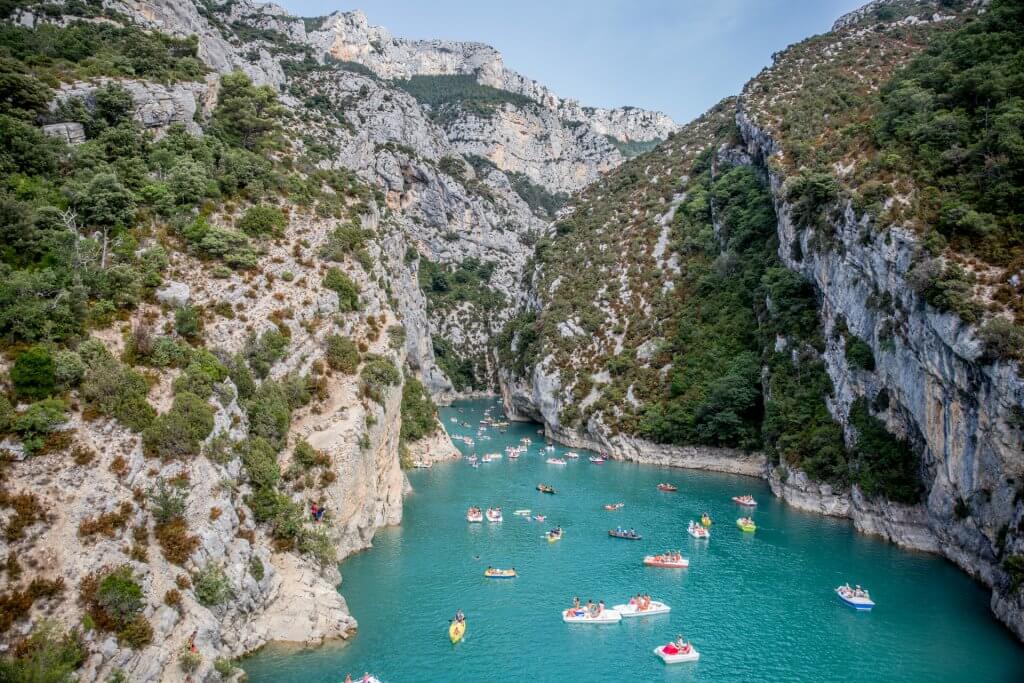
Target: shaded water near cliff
757,607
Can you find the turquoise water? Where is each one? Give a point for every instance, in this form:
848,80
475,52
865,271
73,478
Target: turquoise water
757,607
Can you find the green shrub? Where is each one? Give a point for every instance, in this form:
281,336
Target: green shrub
1013,565
187,322
179,432
346,289
38,421
885,466
224,667
419,414
211,585
7,414
263,351
260,460
119,596
33,373
377,375
1002,339
262,221
256,569
111,388
46,656
318,544
342,354
269,413
137,634
68,369
859,353
808,194
189,661
167,502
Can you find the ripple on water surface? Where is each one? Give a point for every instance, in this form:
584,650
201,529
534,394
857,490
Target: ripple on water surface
757,606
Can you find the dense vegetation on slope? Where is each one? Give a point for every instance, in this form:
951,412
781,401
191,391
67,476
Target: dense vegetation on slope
446,93
87,234
933,146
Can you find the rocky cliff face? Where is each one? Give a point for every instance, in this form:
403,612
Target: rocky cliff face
930,382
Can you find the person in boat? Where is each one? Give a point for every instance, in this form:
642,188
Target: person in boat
600,607
459,616
576,602
348,678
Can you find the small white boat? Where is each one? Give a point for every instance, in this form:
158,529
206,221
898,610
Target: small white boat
572,455
581,616
474,516
550,447
514,455
556,461
454,420
494,514
596,461
856,598
677,657
628,611
422,464
522,513
698,531
495,456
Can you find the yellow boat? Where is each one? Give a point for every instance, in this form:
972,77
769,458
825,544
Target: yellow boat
456,630
746,524
554,537
705,521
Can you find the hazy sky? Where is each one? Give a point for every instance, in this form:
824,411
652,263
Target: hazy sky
677,56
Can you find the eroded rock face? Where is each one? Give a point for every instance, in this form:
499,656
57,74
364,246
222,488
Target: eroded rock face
156,106
941,394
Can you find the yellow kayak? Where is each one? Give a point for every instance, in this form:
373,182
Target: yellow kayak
705,521
554,537
456,631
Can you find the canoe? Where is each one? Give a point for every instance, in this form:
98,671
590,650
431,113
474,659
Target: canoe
613,507
705,521
556,461
629,611
580,616
456,630
522,513
653,561
668,487
746,526
863,603
543,488
679,657
623,535
500,573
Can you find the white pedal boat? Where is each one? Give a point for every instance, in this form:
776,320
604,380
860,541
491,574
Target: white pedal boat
628,611
474,516
679,657
858,602
522,513
556,461
697,531
580,616
494,515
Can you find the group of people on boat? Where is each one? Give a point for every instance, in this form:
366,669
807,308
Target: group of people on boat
746,521
641,601
855,592
557,531
629,533
745,500
591,609
672,556
679,646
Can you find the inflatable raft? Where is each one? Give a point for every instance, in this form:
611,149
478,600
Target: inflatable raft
697,531
746,524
